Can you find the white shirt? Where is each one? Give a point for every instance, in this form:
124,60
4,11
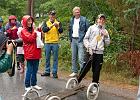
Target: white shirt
76,27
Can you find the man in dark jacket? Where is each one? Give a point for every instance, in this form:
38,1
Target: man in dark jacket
5,54
77,31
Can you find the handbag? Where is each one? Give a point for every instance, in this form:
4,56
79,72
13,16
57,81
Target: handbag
39,42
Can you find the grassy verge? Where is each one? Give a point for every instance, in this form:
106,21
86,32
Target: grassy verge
109,73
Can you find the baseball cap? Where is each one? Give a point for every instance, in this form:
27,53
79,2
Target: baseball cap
52,12
101,16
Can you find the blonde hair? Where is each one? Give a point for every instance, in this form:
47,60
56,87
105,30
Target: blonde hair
76,8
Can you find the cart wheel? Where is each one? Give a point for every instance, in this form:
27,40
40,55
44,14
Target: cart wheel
71,83
93,91
53,98
32,93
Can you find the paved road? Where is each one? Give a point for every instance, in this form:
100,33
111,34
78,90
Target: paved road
11,88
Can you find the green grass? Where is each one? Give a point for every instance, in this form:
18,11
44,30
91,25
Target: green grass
117,74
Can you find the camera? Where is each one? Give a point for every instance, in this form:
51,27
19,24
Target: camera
17,42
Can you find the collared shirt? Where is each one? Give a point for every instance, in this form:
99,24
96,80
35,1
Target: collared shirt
76,27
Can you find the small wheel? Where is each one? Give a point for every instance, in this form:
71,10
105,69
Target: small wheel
54,98
71,83
32,93
93,91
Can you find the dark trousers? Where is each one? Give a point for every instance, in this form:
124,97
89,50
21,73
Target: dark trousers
97,62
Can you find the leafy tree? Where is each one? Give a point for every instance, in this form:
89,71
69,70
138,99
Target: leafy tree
13,7
132,15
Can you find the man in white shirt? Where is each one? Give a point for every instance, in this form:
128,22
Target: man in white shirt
77,30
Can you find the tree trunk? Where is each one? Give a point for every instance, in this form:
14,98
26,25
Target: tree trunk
30,8
133,36
134,30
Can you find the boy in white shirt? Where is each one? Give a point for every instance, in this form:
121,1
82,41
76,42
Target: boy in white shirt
95,39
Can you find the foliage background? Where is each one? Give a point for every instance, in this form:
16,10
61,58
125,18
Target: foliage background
123,24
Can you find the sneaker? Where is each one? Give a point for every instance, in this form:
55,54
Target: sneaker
73,74
27,88
55,76
37,87
45,74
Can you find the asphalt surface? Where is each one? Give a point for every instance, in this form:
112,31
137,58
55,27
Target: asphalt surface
12,88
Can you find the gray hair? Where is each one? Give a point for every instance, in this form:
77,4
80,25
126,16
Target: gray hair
76,8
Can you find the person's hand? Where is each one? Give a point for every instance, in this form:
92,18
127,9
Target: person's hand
9,48
56,25
13,28
90,51
51,26
104,33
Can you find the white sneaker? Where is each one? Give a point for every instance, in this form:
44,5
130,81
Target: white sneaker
73,74
37,87
27,88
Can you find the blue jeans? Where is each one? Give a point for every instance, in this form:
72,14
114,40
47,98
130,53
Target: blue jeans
31,72
51,48
78,52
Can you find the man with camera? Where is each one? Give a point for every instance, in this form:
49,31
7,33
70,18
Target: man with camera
5,54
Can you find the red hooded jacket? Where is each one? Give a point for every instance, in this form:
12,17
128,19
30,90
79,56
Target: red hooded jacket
29,41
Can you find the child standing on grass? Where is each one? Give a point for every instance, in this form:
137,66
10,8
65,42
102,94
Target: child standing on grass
95,39
32,54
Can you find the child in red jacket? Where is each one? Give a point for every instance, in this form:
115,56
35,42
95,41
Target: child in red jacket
32,54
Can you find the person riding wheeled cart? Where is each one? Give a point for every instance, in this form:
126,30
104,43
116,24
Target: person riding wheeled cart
95,40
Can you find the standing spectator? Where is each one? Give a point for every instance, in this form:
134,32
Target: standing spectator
52,28
2,29
95,39
11,29
20,52
78,27
32,54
